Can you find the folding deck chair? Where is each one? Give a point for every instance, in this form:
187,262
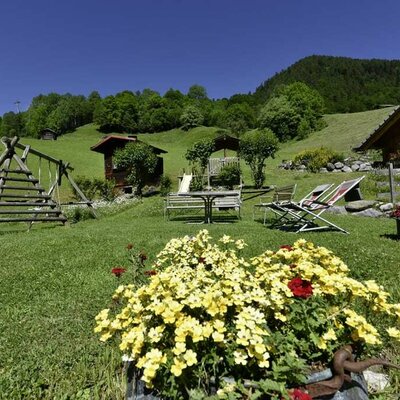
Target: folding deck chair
309,200
281,195
307,216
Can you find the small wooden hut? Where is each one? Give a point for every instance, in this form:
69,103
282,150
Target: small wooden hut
48,134
107,147
385,137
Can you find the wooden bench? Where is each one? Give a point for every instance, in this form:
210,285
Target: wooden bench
174,202
231,202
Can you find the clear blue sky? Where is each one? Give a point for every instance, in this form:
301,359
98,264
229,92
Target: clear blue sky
228,46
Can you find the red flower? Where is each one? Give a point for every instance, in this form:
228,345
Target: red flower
287,247
129,246
150,272
300,287
297,394
395,213
118,271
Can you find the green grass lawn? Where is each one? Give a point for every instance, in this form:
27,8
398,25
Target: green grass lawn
54,281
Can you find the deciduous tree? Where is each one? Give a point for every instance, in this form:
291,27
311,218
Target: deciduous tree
255,147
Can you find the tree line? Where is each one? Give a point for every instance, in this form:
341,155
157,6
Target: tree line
292,111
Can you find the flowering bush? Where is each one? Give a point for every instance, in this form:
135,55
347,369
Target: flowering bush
208,313
396,212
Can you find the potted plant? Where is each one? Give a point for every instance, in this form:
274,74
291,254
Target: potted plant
211,323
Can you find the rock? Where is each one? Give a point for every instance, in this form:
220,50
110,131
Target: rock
376,382
339,165
301,167
365,167
346,169
337,210
369,212
359,205
323,170
337,170
355,167
386,207
330,167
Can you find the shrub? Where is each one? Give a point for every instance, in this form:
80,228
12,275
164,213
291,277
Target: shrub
229,175
165,185
75,214
315,159
95,188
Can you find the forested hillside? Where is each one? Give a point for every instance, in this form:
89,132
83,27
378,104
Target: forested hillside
346,84
290,103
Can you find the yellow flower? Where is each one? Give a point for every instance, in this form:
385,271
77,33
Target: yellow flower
190,357
240,357
394,333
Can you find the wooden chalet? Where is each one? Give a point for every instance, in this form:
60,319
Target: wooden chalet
48,134
107,147
385,137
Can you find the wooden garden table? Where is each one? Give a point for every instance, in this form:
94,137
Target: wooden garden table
208,196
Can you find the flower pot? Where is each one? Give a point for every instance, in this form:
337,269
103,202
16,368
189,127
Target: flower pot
354,390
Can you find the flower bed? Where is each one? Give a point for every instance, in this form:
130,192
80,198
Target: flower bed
209,313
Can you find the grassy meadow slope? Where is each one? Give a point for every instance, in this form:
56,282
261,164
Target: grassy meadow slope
55,279
343,132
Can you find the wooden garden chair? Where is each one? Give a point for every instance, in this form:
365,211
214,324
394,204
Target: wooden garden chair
281,195
308,215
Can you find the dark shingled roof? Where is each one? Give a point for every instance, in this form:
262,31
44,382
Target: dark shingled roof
108,140
373,138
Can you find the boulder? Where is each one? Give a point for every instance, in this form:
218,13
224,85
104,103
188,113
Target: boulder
339,165
376,382
346,169
359,205
369,212
337,210
330,167
355,167
365,167
302,168
323,170
386,207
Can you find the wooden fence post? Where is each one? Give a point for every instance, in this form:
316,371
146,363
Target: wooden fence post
391,183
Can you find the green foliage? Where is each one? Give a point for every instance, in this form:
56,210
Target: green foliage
165,185
229,175
255,147
191,117
77,214
117,113
294,111
315,159
13,124
62,113
140,162
238,118
94,188
200,153
346,84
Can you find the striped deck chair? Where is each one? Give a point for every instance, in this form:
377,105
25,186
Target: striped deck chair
307,216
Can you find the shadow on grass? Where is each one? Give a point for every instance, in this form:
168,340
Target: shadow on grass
391,236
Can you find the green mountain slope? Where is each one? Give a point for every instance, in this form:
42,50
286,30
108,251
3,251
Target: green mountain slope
346,84
343,132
